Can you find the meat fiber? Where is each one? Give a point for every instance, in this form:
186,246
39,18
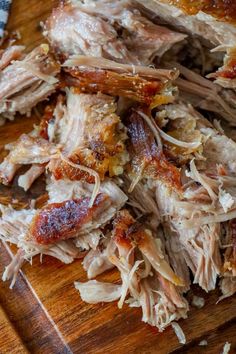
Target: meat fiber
25,82
61,190
126,232
86,142
150,248
176,255
28,149
97,260
89,241
158,308
26,180
35,148
146,39
226,75
230,253
204,94
7,171
228,287
94,292
32,232
14,52
133,87
142,200
207,197
161,303
222,10
179,129
101,63
13,268
64,189
136,178
220,149
228,240
199,247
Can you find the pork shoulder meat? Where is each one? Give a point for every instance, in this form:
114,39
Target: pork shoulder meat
112,29
26,81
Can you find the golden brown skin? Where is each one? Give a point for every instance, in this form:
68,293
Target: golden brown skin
123,228
223,10
147,157
127,231
114,84
60,221
101,153
88,158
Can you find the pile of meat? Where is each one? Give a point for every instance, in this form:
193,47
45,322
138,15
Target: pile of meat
137,146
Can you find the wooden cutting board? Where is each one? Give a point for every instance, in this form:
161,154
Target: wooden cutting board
44,312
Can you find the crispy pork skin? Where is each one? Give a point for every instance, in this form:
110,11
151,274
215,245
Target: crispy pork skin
123,34
147,157
60,221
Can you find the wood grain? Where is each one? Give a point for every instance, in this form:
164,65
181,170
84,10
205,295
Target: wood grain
27,18
44,312
9,336
28,317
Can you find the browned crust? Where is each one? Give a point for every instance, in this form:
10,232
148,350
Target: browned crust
60,221
108,82
223,10
146,155
122,227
